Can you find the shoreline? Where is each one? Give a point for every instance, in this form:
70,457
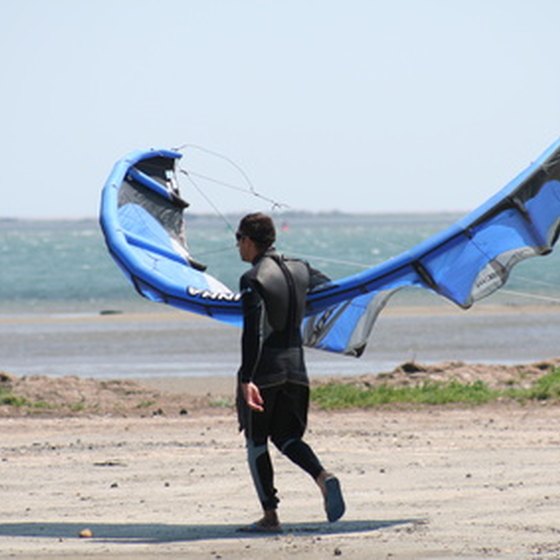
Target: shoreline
172,344
158,313
72,396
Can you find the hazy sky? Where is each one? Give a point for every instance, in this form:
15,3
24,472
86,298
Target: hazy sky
351,105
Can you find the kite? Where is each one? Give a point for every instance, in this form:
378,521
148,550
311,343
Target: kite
143,220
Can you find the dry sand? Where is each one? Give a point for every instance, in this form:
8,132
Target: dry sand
163,475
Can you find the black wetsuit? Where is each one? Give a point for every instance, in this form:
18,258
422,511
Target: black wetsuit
273,297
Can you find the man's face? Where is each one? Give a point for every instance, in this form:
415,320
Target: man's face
244,246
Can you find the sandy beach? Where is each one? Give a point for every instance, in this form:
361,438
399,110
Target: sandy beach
168,479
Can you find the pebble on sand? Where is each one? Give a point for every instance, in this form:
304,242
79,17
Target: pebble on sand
86,534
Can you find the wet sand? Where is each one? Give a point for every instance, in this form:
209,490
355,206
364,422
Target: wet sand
174,344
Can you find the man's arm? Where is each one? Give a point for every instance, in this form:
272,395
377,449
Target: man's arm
251,344
251,338
316,277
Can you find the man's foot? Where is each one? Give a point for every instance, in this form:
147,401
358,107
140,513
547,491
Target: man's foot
268,524
332,495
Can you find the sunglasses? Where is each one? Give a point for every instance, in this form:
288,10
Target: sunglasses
239,236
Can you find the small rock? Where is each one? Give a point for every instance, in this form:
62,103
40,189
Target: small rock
86,534
6,377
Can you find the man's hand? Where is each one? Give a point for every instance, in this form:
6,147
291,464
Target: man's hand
252,396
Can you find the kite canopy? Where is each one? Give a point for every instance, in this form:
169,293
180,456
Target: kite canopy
142,217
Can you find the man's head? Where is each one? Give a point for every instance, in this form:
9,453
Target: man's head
255,234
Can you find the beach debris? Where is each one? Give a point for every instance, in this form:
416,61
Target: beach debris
109,463
412,367
6,378
85,534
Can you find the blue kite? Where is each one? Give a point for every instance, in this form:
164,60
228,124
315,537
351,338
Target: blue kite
142,218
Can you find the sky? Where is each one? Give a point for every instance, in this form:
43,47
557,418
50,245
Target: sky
326,105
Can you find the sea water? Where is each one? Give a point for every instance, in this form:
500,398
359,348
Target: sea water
65,307
64,267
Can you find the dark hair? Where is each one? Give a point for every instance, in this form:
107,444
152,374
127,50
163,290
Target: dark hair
260,228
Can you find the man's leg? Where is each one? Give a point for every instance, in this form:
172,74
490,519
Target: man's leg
302,455
260,466
288,426
290,423
262,473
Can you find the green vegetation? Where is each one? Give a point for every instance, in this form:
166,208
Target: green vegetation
221,402
545,388
337,396
8,398
78,406
146,404
41,405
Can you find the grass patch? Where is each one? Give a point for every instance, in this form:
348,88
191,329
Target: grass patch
221,402
42,405
145,404
545,388
78,406
338,396
8,398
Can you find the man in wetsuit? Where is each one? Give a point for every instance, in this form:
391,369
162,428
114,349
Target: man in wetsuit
273,387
